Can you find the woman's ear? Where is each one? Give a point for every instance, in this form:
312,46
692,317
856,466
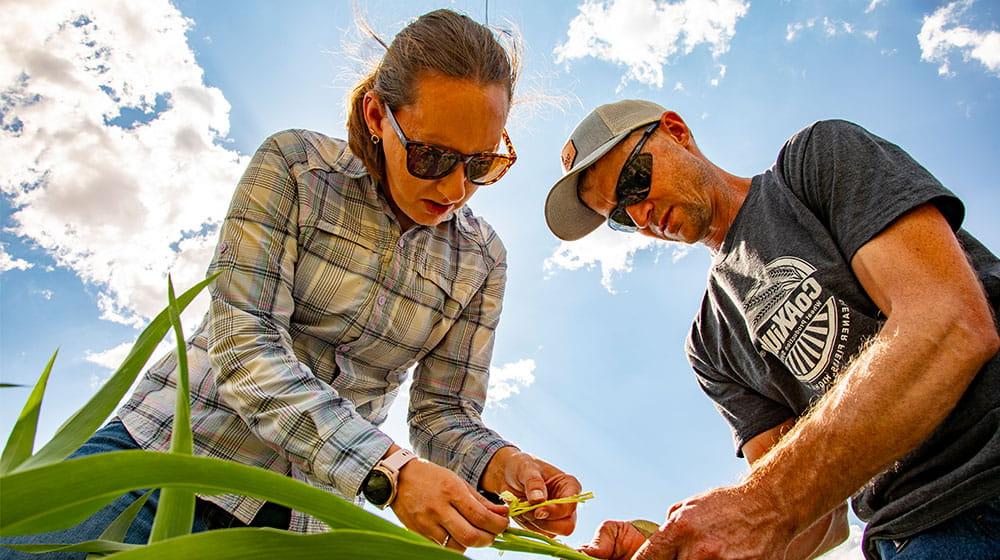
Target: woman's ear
373,113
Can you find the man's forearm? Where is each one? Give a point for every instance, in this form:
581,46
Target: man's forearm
889,401
820,537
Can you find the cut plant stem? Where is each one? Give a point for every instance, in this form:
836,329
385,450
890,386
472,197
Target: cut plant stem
517,507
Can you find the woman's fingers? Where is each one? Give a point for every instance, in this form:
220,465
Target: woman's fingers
476,510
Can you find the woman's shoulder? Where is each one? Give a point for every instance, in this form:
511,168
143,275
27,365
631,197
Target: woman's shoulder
307,149
475,228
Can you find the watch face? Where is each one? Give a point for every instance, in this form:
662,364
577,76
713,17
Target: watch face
377,488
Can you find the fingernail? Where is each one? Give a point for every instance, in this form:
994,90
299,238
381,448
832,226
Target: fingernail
536,495
541,514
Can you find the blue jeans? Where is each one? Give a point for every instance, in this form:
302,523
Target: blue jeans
971,535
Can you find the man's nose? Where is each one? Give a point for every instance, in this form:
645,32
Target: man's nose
640,213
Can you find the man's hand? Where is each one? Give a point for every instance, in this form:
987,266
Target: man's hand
439,505
614,540
724,523
529,478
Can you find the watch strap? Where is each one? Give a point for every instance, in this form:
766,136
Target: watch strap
396,461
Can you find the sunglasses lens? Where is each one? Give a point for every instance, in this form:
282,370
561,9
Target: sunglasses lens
634,181
429,162
633,187
619,220
483,170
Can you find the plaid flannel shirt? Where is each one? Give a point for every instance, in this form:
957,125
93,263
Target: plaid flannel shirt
321,308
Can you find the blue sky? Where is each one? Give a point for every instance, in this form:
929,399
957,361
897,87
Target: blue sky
124,127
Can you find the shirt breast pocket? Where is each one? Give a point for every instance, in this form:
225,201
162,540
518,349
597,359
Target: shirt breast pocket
335,273
447,287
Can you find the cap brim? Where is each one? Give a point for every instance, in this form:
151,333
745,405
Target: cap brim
566,215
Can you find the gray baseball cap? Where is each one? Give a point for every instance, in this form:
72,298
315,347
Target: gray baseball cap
606,126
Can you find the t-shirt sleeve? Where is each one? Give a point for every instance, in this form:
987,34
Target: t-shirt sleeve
857,183
747,412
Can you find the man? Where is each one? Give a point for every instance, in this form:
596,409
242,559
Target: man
845,335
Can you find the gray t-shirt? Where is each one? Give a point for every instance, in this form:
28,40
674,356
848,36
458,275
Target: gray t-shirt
783,315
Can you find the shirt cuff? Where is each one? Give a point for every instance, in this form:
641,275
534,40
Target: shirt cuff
350,454
480,451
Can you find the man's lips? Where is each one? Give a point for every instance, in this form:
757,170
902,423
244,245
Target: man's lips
664,224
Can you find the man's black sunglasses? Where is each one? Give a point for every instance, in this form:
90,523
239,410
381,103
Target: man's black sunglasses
633,184
429,161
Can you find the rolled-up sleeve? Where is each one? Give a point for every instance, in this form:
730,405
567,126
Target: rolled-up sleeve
303,418
450,384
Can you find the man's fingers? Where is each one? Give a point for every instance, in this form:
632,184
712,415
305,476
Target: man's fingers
614,540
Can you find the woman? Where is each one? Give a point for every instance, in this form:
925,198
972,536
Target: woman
340,268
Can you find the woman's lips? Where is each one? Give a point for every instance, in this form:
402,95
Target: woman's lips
436,209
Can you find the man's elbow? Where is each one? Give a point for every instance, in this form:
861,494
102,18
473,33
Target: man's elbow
978,335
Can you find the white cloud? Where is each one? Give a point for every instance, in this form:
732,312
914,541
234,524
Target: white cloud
834,27
872,35
793,29
120,203
849,549
872,5
679,86
10,263
110,358
644,35
831,28
942,33
610,250
508,380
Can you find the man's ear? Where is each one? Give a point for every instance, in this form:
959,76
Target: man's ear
676,128
373,113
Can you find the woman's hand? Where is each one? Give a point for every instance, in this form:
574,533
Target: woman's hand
529,478
439,505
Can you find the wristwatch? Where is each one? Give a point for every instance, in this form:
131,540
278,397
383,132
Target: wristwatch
379,487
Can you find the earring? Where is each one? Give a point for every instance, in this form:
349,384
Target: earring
375,139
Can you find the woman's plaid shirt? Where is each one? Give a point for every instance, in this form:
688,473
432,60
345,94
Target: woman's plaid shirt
320,310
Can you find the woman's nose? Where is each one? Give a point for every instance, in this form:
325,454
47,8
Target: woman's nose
453,186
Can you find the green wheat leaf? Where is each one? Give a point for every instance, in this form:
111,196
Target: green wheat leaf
75,431
65,501
22,438
175,511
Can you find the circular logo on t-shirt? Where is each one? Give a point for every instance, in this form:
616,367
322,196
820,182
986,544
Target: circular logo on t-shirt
791,318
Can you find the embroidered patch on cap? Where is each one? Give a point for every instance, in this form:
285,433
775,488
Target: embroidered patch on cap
568,155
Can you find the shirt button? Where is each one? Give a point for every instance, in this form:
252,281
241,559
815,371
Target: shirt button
400,243
381,300
344,348
223,247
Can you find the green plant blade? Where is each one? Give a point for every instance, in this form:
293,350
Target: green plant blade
97,548
75,431
118,528
175,512
268,544
10,385
22,438
65,502
521,540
